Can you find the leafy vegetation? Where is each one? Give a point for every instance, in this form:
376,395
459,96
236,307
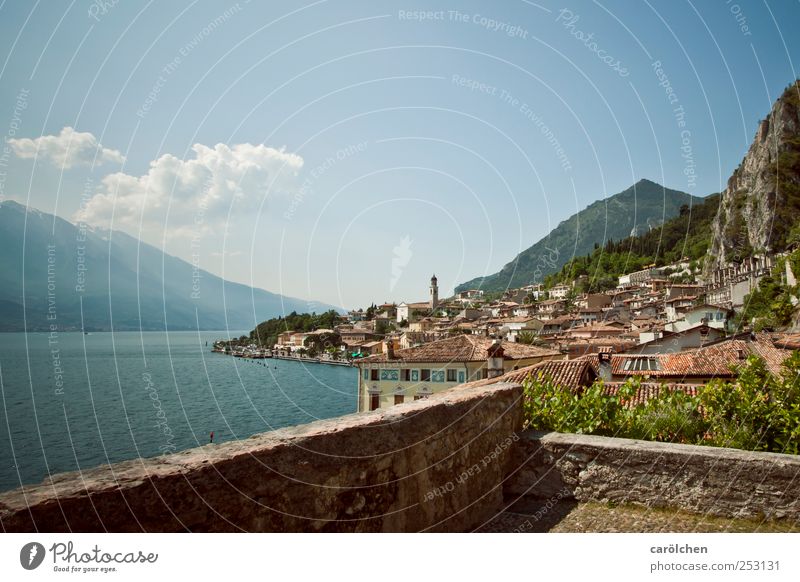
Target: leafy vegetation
640,207
759,412
323,343
266,333
770,305
526,337
687,235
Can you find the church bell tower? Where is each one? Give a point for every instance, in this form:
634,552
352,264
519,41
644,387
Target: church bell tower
434,292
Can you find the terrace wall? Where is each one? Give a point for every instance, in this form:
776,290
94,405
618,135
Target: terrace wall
708,480
448,463
431,465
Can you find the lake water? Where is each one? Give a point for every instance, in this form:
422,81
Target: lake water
86,400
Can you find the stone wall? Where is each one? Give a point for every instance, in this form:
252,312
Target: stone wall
448,463
708,480
431,465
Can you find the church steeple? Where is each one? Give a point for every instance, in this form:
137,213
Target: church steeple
434,292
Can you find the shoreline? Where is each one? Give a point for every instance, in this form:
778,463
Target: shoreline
346,364
315,361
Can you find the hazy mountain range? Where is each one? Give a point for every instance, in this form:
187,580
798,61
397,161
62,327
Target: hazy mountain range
57,270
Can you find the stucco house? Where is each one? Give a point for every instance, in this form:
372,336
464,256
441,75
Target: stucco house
396,376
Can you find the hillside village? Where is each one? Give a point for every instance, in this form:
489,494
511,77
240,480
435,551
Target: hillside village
675,319
413,349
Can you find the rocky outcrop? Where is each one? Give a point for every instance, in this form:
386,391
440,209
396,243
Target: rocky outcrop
761,203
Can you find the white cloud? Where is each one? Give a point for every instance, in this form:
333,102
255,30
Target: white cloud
199,192
67,149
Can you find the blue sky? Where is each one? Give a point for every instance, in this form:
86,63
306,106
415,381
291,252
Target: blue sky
344,151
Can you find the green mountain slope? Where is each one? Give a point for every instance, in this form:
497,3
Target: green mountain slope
687,235
640,208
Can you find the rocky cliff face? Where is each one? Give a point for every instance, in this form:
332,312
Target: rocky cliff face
761,204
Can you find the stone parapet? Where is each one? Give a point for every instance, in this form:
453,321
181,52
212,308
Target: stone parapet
709,480
431,465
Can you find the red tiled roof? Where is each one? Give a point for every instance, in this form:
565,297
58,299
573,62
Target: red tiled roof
788,342
571,374
714,360
616,342
649,390
689,298
562,319
461,348
597,327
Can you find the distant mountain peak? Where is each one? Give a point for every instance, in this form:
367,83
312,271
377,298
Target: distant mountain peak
648,203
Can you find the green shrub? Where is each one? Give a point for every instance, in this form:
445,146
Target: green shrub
758,412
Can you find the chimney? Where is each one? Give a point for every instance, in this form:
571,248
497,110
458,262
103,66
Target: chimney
494,361
604,368
389,348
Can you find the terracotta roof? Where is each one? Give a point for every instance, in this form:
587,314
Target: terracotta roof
562,319
714,360
648,390
461,348
520,319
571,374
577,374
597,327
774,354
551,302
788,342
682,298
646,318
610,341
666,334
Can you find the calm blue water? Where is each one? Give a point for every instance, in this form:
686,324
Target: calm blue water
131,394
